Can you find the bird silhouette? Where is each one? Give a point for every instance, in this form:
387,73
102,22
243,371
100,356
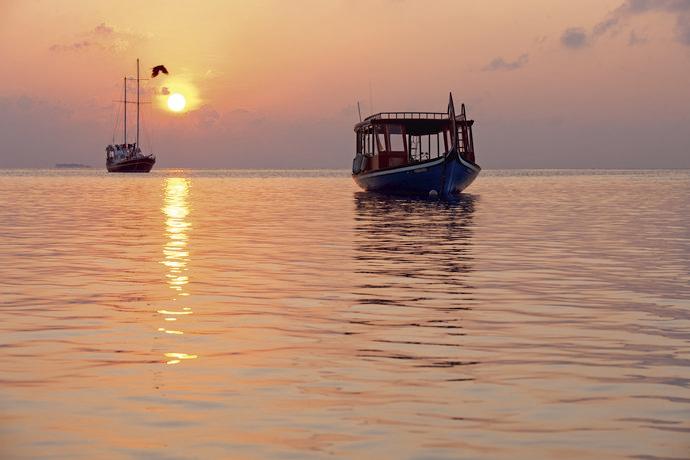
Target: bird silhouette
156,70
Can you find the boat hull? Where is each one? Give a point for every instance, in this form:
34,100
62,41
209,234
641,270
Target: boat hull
134,165
446,176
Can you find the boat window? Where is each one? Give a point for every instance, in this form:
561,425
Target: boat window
381,141
369,144
365,143
427,146
395,138
437,145
414,143
397,144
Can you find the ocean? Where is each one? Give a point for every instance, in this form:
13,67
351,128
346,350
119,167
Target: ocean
190,314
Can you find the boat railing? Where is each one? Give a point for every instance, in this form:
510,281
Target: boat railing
408,116
411,116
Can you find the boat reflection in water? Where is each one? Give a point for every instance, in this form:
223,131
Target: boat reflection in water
414,262
416,236
176,256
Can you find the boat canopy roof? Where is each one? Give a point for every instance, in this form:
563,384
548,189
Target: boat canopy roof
415,123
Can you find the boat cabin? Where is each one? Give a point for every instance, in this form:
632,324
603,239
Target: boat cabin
394,139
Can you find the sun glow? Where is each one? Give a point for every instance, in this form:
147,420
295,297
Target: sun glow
176,102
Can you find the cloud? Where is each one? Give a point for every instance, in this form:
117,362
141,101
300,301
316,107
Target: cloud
500,64
578,37
643,6
211,74
205,116
76,46
574,38
683,29
165,91
102,37
634,39
605,25
103,29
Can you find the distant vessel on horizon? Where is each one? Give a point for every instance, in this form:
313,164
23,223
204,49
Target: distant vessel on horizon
128,157
72,166
415,153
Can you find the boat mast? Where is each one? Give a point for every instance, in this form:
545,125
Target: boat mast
453,124
125,103
137,144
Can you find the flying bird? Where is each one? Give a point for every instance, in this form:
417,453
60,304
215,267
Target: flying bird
156,70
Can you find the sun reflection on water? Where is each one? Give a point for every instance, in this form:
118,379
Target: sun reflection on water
176,256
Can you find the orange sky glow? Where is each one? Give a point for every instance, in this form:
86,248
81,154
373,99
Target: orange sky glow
594,83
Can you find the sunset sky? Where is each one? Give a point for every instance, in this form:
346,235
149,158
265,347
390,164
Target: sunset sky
275,84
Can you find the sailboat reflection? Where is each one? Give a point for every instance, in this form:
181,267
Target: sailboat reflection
176,256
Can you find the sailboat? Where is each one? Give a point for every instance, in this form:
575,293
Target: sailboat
128,157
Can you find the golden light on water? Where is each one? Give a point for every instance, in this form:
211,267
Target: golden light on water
178,357
175,259
169,312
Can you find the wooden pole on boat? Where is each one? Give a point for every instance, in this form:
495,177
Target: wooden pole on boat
125,102
465,136
137,144
359,111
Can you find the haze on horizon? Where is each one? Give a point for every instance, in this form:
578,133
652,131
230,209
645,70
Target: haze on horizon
273,84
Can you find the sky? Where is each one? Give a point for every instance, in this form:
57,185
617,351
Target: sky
275,84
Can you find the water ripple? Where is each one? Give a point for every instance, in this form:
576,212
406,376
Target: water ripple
273,314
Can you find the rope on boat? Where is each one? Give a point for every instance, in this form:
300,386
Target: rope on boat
117,122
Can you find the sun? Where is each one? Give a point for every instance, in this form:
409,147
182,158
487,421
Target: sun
176,102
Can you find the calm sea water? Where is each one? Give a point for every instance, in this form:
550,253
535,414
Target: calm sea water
269,314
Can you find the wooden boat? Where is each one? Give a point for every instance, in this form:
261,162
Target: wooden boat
128,157
415,153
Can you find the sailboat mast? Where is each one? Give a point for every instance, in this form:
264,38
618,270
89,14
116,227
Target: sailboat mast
137,144
125,102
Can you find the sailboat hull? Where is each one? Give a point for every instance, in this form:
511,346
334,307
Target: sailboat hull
133,165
